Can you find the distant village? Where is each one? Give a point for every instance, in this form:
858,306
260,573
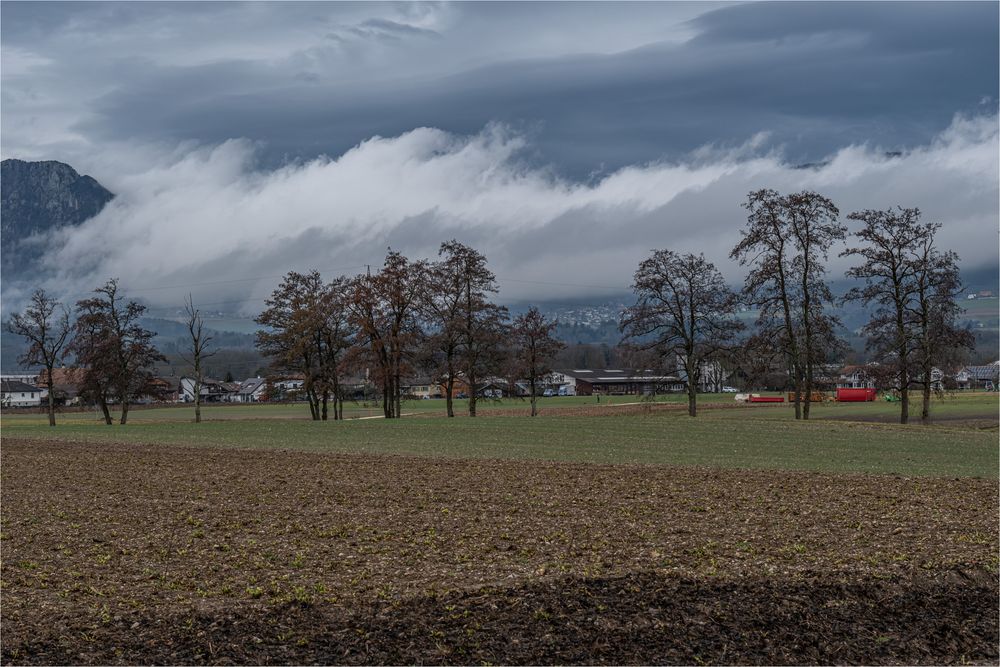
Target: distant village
27,389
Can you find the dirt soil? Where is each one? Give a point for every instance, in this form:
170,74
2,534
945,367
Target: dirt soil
143,554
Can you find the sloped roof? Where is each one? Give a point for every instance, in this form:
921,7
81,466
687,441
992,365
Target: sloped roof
608,375
250,385
63,376
983,372
10,386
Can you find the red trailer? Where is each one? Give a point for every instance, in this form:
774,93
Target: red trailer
855,395
767,399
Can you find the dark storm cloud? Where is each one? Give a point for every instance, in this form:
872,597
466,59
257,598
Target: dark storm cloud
816,76
564,140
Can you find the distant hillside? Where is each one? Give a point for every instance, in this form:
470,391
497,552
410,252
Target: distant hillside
38,197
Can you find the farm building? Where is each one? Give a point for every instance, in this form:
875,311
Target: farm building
621,381
979,377
17,394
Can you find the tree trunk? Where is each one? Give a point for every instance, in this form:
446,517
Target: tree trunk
534,410
692,396
904,396
104,408
472,396
124,417
387,395
398,399
52,399
336,398
313,404
449,390
326,397
809,390
925,408
197,400
904,406
797,389
904,388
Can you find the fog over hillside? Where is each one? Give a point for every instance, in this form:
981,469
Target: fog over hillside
205,220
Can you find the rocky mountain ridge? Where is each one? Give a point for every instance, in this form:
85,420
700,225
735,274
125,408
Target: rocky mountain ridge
36,198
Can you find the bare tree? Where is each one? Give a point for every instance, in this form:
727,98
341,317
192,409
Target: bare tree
890,280
46,331
787,241
116,351
814,226
770,284
534,349
683,310
934,312
198,351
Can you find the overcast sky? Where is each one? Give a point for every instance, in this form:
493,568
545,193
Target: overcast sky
566,140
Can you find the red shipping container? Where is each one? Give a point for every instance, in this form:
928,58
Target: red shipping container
767,399
855,395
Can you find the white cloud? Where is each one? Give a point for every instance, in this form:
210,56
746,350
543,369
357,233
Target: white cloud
196,214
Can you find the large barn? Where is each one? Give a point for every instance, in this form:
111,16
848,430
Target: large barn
607,381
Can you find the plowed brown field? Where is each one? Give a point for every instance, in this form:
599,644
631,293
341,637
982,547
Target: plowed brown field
139,554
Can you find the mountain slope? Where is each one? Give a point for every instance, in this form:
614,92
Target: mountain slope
38,197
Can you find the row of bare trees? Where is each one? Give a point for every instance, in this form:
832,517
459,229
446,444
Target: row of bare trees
113,353
437,318
434,318
685,311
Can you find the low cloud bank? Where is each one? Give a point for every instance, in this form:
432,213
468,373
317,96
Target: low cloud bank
204,220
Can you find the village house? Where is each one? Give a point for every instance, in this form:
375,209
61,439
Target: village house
212,391
66,383
423,387
252,390
17,394
855,377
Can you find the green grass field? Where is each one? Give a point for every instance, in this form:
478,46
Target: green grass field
843,438
184,413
